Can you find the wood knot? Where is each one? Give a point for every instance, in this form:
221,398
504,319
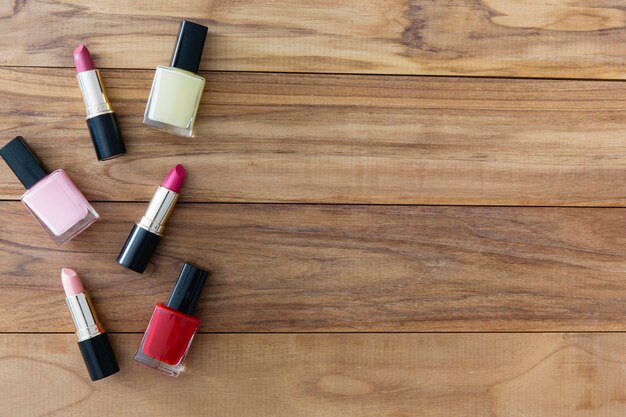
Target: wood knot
344,385
566,16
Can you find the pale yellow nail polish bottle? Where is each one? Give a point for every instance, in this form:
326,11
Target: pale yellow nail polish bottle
177,89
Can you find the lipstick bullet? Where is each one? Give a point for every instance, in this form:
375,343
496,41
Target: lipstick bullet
101,119
92,339
146,235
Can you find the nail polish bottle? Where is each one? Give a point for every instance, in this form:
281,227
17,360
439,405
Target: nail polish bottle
172,327
53,199
177,89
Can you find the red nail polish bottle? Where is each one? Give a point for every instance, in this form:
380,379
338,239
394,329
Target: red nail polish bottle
172,327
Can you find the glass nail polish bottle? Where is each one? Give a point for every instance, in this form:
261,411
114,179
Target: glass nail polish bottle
177,89
172,327
53,199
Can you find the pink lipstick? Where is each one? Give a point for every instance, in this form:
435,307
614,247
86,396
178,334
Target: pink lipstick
82,59
101,119
146,235
93,341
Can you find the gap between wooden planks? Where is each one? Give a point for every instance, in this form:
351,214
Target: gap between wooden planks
557,375
439,37
339,139
310,268
270,139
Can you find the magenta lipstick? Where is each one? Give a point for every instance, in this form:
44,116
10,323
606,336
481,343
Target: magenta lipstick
101,119
93,341
146,235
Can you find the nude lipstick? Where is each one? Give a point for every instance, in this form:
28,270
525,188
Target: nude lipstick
101,119
145,236
92,339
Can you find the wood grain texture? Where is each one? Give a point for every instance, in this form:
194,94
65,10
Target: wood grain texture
368,115
339,139
530,38
334,268
490,375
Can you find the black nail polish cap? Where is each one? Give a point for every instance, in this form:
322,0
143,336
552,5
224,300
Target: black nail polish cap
188,287
189,46
23,162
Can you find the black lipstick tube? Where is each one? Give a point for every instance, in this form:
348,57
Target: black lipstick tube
101,119
93,341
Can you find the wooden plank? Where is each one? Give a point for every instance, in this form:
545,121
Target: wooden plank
339,139
334,268
555,375
464,37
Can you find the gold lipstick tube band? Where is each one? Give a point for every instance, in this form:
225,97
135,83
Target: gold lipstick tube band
94,96
84,317
159,210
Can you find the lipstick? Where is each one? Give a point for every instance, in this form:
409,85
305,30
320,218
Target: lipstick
92,339
101,119
146,235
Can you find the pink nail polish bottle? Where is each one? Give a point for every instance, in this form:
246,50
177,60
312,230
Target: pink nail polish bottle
53,199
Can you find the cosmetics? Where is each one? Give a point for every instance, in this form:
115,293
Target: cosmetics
177,89
145,236
53,199
172,327
92,340
101,119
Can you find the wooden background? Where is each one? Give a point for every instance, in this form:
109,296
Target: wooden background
409,208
